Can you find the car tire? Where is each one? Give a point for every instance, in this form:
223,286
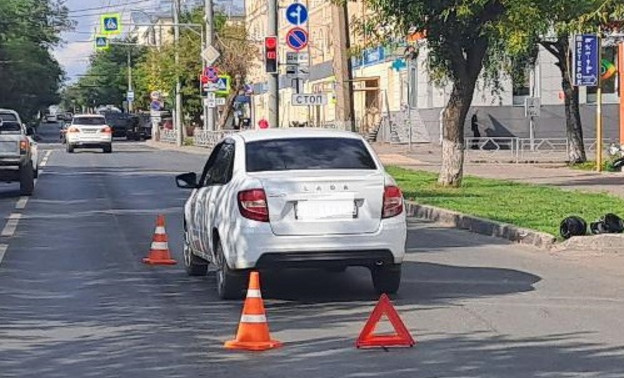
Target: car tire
386,279
195,266
230,284
108,149
27,179
70,148
36,172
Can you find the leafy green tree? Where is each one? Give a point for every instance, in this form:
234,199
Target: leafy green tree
29,74
560,19
106,80
465,39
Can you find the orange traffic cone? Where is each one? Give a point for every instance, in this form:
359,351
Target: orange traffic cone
253,330
159,253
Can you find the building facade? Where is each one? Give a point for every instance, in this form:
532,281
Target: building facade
382,89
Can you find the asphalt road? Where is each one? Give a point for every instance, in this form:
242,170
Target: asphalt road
76,301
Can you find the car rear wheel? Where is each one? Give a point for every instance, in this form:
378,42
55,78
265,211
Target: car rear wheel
230,284
108,149
387,279
195,266
27,179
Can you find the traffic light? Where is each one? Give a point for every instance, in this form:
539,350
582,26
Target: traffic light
270,54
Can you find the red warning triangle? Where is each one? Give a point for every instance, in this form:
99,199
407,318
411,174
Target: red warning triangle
401,337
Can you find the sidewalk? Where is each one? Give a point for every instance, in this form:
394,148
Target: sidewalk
173,147
427,158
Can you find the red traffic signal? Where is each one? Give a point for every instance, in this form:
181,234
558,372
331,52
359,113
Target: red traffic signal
270,54
270,42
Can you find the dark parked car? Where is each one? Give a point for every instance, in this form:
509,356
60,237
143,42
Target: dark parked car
140,127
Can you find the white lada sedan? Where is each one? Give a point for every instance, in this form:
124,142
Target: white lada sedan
296,198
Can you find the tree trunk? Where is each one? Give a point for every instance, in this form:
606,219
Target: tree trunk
574,127
453,119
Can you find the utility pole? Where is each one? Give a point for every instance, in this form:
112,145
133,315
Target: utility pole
345,112
209,115
129,79
273,77
178,95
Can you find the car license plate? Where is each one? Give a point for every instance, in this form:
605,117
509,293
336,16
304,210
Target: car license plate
324,210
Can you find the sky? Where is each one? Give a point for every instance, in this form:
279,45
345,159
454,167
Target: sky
74,54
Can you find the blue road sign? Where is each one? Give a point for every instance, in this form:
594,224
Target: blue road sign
586,60
212,74
110,24
297,38
297,14
155,105
101,43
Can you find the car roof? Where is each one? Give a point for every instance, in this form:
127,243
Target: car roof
88,115
270,134
8,111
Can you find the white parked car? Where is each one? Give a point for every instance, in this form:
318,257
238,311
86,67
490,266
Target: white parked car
89,131
297,198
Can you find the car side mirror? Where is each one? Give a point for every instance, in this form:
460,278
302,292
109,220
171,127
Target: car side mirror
187,181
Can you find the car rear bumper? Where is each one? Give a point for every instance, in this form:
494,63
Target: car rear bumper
253,245
90,141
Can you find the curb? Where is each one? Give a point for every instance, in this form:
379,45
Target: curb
481,226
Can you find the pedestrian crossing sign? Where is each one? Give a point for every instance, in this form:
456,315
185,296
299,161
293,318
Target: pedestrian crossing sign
101,43
223,85
110,24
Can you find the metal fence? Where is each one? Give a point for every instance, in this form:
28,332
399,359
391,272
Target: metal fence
167,136
209,139
518,150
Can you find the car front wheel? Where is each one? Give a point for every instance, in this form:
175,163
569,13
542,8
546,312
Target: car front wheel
386,279
195,266
230,284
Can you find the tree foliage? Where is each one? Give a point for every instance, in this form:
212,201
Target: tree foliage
106,80
463,38
557,21
29,74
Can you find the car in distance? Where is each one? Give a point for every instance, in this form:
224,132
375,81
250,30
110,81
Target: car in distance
302,198
89,131
18,152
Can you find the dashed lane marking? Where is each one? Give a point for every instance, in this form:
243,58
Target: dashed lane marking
3,249
21,203
11,225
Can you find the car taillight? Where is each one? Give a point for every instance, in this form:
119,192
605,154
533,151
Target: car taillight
24,146
106,130
253,205
73,130
392,202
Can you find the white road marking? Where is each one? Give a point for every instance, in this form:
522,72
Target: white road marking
3,249
11,225
21,204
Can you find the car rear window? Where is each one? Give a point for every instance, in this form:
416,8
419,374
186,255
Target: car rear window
10,124
89,121
308,154
8,117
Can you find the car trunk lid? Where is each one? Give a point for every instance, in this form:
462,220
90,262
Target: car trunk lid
323,202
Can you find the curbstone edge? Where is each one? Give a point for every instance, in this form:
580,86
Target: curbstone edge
482,226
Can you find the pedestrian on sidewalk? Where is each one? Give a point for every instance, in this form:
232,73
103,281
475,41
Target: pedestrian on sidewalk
474,125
